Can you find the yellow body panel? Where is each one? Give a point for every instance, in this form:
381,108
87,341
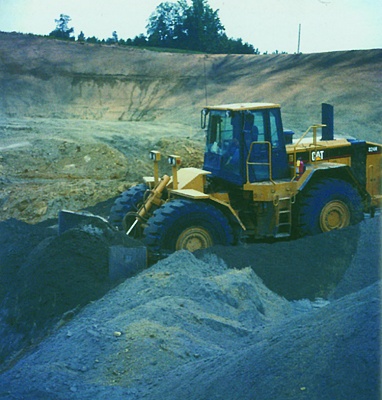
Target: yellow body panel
190,193
271,191
343,160
192,178
307,144
374,178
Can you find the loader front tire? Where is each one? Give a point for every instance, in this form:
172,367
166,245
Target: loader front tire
327,205
186,224
128,201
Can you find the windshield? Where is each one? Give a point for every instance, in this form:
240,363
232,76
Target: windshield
219,132
223,153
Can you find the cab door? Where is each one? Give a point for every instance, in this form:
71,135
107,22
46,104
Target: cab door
223,155
264,146
280,167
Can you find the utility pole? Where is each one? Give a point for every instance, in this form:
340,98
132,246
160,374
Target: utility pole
299,37
205,79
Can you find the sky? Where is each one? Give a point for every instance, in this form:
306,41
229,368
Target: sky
269,25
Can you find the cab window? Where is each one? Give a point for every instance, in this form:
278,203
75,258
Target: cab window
219,133
275,128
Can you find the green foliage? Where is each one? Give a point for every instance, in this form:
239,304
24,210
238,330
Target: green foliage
113,39
172,26
140,40
164,25
81,37
196,27
62,30
92,39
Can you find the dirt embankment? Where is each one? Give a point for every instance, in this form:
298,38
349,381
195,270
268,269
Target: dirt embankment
77,121
56,79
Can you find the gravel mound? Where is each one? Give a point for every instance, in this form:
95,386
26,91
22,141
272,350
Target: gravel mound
330,353
365,266
308,267
46,277
180,310
192,326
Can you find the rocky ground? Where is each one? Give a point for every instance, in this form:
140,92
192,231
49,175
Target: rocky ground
49,165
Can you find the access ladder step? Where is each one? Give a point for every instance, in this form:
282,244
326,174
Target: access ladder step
283,210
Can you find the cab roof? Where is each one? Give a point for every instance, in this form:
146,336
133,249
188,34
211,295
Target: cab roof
242,106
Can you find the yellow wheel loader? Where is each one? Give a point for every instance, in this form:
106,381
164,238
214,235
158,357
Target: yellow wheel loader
257,182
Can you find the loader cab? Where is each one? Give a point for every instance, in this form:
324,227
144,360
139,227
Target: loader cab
245,143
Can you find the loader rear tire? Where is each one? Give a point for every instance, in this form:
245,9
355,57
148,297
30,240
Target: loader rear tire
327,205
128,201
186,224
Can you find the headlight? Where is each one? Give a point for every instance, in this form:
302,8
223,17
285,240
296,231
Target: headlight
174,160
154,155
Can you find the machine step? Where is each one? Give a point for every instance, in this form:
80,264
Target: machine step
283,213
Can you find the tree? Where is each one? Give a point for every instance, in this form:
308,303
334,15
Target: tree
203,27
81,37
114,39
62,30
140,40
164,24
196,27
92,39
236,46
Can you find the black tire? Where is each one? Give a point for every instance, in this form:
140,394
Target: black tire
128,201
185,224
327,205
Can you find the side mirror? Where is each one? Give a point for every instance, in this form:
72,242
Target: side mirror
203,118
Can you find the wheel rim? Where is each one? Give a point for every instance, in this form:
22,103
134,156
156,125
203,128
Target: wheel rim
335,215
193,239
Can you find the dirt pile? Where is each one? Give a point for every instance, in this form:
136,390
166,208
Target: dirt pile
330,353
48,171
46,278
42,172
184,325
308,267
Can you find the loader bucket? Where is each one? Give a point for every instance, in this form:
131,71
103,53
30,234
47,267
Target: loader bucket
127,256
70,220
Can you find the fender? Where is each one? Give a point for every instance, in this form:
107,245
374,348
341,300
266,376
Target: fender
333,170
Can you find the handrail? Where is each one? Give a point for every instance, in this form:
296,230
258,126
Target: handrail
314,128
269,163
248,163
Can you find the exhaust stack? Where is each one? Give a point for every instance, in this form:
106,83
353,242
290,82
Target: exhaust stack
328,120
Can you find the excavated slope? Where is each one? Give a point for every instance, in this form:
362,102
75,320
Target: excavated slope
55,79
77,120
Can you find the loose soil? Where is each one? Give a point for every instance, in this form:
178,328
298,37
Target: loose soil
192,326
